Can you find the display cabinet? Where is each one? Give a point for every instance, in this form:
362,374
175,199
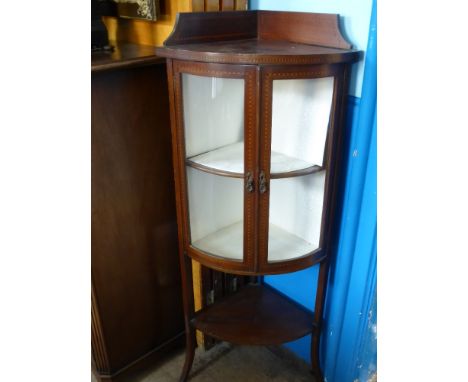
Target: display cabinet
257,105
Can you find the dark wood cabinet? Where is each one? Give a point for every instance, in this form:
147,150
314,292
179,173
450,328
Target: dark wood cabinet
257,109
137,310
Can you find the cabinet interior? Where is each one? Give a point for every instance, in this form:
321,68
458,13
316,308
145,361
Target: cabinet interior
300,117
213,113
295,208
214,140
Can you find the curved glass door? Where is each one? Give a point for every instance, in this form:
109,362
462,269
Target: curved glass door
213,111
300,119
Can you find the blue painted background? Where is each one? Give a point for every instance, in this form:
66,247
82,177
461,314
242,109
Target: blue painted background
348,342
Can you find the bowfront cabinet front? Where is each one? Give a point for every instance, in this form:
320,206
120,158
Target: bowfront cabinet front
254,144
257,105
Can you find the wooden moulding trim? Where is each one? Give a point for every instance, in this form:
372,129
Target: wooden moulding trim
300,27
254,59
197,27
237,267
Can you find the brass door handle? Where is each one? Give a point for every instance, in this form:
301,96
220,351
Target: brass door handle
249,184
262,183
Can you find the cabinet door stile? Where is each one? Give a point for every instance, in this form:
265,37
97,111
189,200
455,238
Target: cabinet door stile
264,164
251,166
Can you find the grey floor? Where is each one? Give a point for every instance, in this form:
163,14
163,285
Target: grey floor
232,363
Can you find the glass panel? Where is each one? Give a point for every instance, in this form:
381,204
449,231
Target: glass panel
301,112
296,205
300,118
214,144
214,121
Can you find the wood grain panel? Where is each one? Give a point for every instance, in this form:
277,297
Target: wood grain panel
135,268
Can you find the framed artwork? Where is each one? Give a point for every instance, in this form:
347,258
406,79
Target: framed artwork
139,9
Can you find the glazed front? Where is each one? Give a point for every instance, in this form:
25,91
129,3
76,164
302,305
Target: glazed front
254,149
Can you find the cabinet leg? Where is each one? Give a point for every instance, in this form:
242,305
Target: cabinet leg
190,342
315,356
189,354
319,303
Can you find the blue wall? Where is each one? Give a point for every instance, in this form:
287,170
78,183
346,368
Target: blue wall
350,310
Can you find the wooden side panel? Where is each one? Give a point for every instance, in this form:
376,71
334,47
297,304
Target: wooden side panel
134,231
307,28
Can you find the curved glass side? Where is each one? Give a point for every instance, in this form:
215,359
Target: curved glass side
295,216
214,153
300,119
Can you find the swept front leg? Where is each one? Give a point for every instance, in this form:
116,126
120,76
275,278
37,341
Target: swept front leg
189,352
318,317
187,292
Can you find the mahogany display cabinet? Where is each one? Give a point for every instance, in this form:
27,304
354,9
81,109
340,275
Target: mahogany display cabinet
257,109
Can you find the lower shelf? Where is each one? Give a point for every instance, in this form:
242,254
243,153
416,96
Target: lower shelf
256,315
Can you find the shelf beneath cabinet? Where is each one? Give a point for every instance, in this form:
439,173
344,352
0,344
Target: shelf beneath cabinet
228,243
256,315
229,161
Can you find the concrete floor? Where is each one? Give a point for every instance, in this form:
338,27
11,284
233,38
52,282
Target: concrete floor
232,363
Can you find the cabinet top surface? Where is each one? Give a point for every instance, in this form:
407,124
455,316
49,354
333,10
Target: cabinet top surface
258,37
124,55
253,51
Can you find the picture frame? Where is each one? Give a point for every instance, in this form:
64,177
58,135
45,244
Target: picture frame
138,9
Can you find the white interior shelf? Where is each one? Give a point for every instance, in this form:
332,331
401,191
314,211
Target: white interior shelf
230,158
227,242
283,245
